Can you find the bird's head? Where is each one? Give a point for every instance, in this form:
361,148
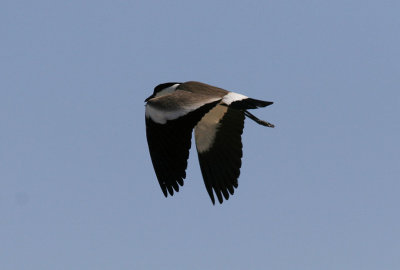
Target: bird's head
163,89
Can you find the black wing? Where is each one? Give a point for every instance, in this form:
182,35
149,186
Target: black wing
169,146
220,162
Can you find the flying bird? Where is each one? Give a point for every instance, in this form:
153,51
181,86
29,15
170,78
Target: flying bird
217,117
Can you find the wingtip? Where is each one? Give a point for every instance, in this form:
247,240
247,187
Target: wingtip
212,198
164,190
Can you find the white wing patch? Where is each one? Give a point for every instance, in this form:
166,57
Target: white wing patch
207,128
232,97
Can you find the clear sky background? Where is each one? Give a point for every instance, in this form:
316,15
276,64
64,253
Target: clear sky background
320,191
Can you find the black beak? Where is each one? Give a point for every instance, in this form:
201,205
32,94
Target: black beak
150,97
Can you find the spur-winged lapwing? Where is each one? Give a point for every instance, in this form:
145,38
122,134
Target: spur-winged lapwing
217,116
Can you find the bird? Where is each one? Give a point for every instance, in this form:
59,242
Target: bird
217,117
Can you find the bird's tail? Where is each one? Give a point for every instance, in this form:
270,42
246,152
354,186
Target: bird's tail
250,103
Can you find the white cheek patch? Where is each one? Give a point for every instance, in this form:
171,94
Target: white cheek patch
161,116
167,90
207,128
232,97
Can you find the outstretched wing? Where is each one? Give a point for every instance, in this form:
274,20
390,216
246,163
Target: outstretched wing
219,147
169,134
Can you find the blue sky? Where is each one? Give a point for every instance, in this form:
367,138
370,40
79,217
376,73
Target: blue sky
320,191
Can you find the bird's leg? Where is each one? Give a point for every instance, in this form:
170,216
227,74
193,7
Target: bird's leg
258,121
